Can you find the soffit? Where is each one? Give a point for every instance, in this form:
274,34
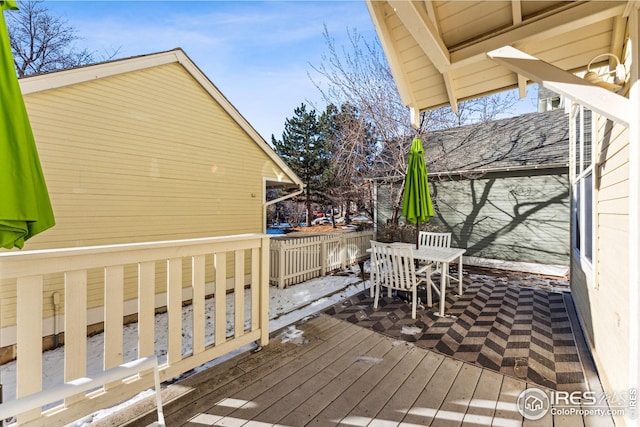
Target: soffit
437,49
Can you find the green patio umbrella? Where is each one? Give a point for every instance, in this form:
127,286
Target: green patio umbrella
416,206
25,208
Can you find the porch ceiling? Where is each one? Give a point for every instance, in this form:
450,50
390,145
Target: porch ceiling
437,49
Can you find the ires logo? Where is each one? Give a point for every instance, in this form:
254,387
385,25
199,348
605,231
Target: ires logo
533,404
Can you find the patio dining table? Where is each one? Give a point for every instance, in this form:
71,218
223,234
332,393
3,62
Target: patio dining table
442,255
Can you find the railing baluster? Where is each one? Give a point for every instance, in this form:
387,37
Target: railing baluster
220,298
146,308
239,294
75,328
255,288
174,308
198,302
113,314
29,339
264,292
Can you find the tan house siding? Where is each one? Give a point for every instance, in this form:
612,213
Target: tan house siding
603,304
152,152
146,153
603,301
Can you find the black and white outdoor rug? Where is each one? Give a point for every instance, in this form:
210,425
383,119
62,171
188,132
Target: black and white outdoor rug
517,330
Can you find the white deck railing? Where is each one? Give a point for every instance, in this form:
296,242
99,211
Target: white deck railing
28,270
295,260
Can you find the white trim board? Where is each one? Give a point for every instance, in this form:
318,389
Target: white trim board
526,267
602,101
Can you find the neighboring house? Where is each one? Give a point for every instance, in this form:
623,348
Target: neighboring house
146,149
143,149
442,52
501,187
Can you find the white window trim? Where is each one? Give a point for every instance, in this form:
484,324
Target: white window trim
586,265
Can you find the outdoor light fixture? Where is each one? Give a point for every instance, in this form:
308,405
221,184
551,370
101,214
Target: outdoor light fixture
619,74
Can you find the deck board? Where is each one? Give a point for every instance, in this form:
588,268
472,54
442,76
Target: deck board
343,374
432,397
404,399
457,400
507,414
214,384
370,374
483,402
321,399
376,398
277,394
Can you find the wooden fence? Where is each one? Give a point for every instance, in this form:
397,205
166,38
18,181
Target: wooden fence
297,259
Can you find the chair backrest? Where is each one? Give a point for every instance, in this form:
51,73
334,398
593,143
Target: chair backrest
438,240
392,265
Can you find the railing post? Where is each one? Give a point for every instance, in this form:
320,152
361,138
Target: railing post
343,252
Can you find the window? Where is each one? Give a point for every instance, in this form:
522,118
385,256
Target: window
548,104
583,185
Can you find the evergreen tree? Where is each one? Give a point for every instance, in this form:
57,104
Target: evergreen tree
305,150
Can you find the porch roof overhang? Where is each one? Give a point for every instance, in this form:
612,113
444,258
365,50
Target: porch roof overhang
442,52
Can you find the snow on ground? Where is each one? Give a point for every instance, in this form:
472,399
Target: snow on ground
286,306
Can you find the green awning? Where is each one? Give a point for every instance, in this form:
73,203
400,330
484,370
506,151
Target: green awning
25,208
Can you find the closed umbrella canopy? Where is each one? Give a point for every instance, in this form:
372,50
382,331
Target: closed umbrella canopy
416,206
25,208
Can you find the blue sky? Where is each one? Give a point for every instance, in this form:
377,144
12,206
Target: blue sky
258,53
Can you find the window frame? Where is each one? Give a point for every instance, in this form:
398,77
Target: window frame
583,188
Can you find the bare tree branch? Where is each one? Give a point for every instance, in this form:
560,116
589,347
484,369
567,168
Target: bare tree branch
42,42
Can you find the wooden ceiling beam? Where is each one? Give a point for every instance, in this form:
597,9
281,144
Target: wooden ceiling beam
576,15
617,38
516,13
376,10
451,92
433,15
418,23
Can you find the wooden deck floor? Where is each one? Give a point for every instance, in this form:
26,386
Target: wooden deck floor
336,373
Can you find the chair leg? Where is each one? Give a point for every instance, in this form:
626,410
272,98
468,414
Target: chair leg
429,291
377,295
414,301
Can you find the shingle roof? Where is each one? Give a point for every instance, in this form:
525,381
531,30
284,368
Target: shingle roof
535,139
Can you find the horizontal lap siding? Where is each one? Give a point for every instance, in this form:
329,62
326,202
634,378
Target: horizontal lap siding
145,156
142,156
515,218
508,216
604,307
